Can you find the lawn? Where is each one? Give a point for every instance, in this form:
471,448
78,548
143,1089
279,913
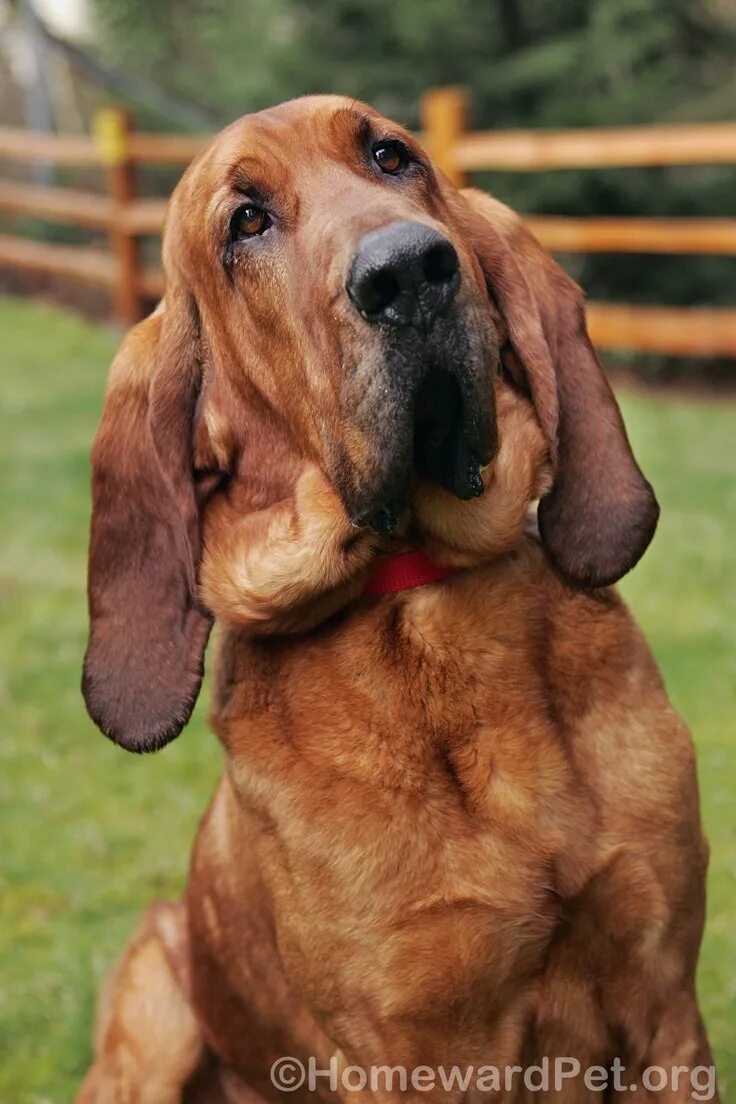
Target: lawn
90,834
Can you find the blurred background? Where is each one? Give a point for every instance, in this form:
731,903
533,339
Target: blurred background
611,124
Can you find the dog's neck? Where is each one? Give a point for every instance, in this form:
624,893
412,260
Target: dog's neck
290,566
404,571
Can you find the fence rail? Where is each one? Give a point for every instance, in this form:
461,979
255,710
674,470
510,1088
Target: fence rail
609,148
125,216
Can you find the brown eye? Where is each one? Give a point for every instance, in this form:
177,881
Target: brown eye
249,221
391,157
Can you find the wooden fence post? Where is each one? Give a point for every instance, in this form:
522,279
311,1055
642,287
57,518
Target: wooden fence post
112,127
443,118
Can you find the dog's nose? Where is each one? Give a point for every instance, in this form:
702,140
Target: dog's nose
403,274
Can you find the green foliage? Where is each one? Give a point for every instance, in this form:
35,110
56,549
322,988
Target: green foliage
528,63
90,834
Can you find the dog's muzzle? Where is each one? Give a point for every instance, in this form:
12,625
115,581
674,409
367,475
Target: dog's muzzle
404,274
436,417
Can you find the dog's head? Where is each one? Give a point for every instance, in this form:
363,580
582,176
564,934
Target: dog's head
334,306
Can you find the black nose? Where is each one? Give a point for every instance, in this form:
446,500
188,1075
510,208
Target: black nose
403,274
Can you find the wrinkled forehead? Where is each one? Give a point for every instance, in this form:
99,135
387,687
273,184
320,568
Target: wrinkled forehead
271,149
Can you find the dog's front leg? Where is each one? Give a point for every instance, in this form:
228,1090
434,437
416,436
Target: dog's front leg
677,1065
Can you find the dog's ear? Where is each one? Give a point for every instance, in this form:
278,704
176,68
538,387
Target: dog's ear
144,663
600,514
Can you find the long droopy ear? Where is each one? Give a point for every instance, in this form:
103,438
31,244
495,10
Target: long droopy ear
600,514
144,662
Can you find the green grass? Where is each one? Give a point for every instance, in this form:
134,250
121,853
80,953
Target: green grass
89,835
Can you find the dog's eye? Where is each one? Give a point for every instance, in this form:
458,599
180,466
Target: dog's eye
249,221
391,157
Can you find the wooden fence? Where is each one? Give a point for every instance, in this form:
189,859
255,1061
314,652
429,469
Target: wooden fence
125,217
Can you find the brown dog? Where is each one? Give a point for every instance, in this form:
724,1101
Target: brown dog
459,823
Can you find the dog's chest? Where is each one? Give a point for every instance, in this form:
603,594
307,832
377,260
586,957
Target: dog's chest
404,806
366,883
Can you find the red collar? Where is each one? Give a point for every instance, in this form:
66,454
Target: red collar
404,571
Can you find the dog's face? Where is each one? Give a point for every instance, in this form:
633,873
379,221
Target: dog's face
322,377
332,279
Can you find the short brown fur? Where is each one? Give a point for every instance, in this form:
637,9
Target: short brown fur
459,824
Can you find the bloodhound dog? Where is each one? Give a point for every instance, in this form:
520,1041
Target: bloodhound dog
366,435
